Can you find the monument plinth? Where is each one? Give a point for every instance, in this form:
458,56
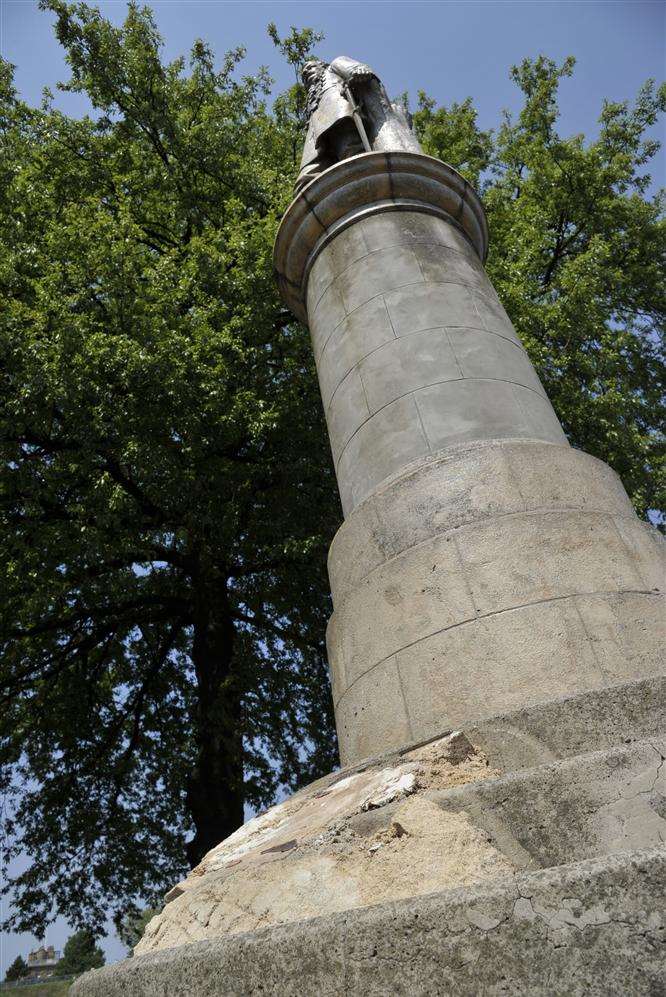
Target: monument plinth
495,650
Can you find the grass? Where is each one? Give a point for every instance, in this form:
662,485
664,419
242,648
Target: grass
53,988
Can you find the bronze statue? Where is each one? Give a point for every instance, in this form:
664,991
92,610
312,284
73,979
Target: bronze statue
349,113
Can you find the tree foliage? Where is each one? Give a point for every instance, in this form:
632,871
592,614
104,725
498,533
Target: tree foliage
133,926
166,487
17,970
80,954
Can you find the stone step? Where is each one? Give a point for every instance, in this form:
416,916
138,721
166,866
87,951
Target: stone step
593,928
561,728
467,807
591,804
426,819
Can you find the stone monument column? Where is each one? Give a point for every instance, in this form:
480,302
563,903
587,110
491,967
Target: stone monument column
483,564
497,673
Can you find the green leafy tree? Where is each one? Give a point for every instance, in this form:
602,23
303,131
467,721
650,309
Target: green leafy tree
167,495
80,954
17,970
577,256
133,926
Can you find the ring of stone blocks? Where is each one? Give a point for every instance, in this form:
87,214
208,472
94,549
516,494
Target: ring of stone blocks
361,186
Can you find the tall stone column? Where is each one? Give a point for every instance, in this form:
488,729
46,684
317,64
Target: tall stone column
484,564
487,577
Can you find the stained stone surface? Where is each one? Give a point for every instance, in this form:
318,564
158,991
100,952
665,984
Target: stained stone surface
312,854
593,928
506,795
414,351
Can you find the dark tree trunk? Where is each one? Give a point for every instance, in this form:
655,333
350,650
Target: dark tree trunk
215,786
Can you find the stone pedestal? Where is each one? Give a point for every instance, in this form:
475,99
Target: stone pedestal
496,655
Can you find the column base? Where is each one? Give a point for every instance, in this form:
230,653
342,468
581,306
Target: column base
490,576
438,849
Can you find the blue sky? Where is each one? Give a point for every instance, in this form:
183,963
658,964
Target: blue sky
449,49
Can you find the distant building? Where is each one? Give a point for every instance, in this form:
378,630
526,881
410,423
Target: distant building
42,963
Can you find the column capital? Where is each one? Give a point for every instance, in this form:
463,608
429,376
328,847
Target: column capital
365,185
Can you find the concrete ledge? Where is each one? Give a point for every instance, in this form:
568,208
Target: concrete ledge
564,728
595,927
561,728
586,806
589,805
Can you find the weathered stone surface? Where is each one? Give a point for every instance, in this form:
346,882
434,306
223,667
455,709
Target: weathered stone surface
573,725
439,815
603,802
588,637
468,485
316,853
359,188
414,351
591,928
504,556
411,228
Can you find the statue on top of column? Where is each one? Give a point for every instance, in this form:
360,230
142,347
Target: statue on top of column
349,113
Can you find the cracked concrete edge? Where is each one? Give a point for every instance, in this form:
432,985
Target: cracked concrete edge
453,833
572,725
592,804
535,735
593,927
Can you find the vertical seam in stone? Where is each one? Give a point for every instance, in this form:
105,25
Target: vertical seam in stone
632,558
343,684
381,535
463,198
418,263
514,478
453,351
423,429
359,226
357,368
516,398
312,208
463,571
404,698
395,334
387,159
484,325
590,641
335,327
